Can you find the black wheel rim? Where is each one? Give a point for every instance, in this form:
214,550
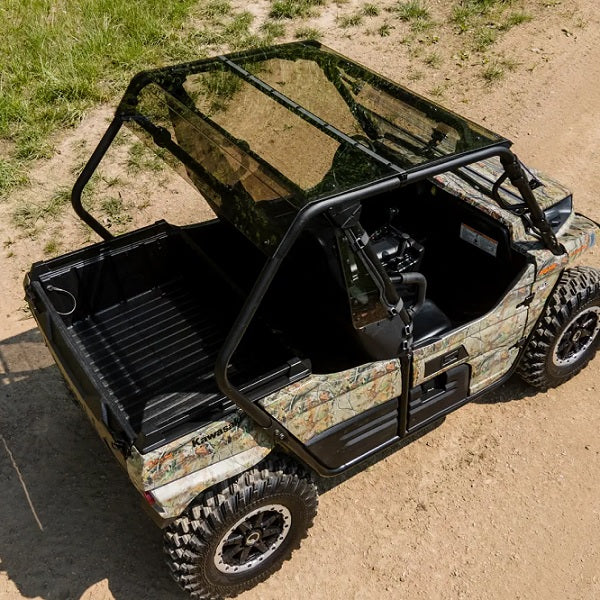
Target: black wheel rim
253,538
577,338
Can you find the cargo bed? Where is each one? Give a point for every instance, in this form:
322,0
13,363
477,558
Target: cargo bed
137,323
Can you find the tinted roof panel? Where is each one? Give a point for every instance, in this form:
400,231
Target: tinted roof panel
262,133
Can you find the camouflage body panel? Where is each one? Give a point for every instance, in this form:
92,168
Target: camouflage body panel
182,469
497,331
173,498
215,442
578,236
506,324
318,402
177,472
486,172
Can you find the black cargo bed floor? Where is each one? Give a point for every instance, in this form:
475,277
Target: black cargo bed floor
155,354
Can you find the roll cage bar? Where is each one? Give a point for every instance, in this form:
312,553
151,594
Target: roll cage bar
334,205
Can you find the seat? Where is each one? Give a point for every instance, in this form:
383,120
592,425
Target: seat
429,322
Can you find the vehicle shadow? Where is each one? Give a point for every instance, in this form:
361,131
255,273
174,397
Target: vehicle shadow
513,389
70,518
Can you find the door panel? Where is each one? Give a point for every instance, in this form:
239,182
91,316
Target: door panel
430,400
318,402
488,342
353,438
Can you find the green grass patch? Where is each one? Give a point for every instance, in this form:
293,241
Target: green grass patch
273,30
52,247
492,73
485,20
308,33
26,215
416,13
385,30
58,58
12,175
472,14
514,19
115,212
483,38
413,10
141,158
215,9
433,60
347,21
370,10
293,9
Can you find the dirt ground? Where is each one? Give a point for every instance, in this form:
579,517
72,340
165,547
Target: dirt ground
499,502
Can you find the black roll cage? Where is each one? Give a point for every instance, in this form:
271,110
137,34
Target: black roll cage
126,112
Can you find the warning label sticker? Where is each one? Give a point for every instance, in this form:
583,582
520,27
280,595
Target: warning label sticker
476,238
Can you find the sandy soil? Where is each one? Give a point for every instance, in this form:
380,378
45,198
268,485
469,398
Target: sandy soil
499,502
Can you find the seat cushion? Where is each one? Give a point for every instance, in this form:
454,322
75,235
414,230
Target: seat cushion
430,322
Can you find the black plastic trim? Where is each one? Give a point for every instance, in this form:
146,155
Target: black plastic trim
445,360
429,400
356,436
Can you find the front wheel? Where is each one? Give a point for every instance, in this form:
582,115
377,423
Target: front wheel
234,537
568,332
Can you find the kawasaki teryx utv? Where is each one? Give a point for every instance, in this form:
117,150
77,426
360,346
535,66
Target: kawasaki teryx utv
376,262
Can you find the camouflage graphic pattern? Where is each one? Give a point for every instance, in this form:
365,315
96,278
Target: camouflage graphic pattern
491,366
173,498
211,444
547,195
578,236
486,172
319,402
184,468
498,330
542,288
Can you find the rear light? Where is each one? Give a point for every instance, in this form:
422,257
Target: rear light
150,498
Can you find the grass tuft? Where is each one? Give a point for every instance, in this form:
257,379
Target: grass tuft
12,175
483,38
292,9
346,21
370,10
433,60
141,158
115,211
492,73
26,214
52,247
385,30
415,13
308,33
514,19
412,10
273,30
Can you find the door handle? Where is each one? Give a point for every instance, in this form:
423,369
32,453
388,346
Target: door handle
449,358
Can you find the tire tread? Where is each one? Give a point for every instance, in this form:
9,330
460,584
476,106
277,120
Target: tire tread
575,288
186,540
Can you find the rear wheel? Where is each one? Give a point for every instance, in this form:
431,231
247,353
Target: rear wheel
568,332
237,535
